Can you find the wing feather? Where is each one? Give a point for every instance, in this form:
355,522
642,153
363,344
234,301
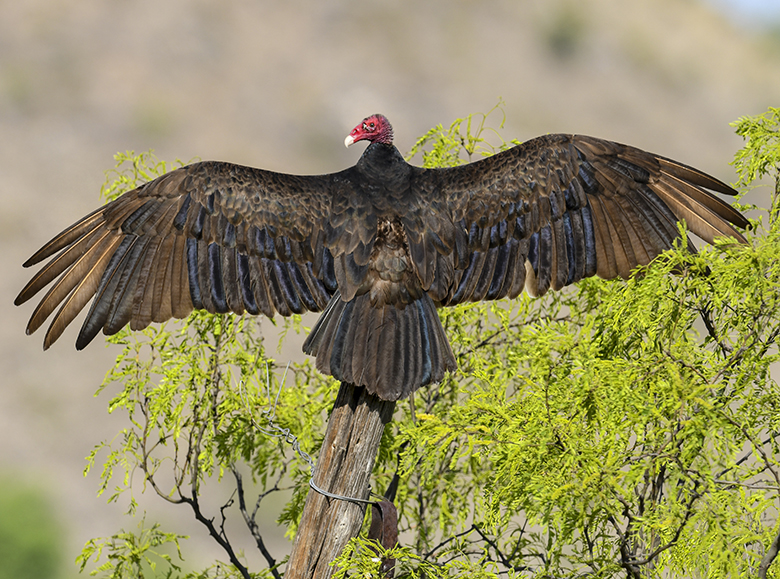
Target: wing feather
78,298
68,236
148,286
163,299
181,297
65,284
61,263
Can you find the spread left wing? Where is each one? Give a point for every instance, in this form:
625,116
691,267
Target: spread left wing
552,211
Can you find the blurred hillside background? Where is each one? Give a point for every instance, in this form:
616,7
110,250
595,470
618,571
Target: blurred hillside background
278,85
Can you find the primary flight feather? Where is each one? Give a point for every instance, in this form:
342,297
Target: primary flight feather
376,247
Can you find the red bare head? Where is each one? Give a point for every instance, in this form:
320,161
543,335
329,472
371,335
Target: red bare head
375,128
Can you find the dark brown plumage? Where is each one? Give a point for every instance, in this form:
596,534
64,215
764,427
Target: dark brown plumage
376,247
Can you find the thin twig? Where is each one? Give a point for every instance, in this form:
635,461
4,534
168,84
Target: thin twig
688,513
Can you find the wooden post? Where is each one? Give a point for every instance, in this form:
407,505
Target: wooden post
344,467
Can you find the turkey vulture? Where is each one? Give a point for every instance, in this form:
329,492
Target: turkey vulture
376,247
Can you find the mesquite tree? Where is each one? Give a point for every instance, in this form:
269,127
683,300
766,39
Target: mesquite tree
616,429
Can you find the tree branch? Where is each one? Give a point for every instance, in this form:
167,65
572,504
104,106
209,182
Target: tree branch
252,524
769,557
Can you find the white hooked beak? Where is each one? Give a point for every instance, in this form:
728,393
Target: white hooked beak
349,140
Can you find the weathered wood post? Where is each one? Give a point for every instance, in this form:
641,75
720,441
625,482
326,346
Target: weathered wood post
344,468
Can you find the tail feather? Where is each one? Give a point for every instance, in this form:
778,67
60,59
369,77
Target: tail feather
391,351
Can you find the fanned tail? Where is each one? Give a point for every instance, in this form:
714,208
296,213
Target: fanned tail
391,351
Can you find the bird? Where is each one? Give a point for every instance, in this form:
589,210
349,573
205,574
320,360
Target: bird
377,247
